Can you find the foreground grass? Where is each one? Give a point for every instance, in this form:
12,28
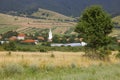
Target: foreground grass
100,72
56,66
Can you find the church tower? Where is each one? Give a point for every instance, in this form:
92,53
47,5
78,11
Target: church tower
50,36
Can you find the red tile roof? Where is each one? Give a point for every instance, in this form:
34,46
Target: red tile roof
21,35
28,41
118,41
41,38
13,38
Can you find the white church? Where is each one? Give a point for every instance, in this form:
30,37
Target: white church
67,44
50,36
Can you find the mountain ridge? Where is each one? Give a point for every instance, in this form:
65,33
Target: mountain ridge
66,7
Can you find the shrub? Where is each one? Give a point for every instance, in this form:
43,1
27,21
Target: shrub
73,65
43,50
104,54
52,56
99,54
9,53
11,69
11,46
34,68
118,55
1,48
50,67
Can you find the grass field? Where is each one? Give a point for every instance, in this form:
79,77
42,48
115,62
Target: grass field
116,19
6,28
43,13
29,25
56,66
58,59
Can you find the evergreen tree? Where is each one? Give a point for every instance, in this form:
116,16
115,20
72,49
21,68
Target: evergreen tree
95,25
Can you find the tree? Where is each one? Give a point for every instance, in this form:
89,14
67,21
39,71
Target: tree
11,46
56,38
95,24
9,34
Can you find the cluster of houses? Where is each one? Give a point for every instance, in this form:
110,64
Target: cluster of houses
25,39
22,38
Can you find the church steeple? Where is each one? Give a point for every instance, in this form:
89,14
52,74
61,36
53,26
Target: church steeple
50,35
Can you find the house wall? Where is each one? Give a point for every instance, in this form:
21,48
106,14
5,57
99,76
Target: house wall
21,38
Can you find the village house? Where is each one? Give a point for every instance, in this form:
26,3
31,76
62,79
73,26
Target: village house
13,38
2,42
0,36
118,41
30,41
40,38
21,36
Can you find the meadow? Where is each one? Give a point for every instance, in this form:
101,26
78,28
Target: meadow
54,65
32,25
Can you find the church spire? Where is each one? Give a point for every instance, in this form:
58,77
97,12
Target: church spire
50,35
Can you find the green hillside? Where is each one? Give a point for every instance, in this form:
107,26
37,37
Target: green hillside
51,15
30,25
117,19
55,21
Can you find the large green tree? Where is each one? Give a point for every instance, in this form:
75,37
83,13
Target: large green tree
95,25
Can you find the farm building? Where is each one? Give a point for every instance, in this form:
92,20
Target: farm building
30,41
70,44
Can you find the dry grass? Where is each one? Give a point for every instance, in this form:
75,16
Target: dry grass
116,19
61,59
115,33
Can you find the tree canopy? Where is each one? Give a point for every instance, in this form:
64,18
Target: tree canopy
95,25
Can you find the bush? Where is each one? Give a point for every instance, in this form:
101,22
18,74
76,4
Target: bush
9,53
34,68
104,54
46,44
11,46
43,50
50,67
52,56
118,55
98,54
73,65
11,69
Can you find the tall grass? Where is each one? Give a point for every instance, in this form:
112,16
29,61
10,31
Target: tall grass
99,72
63,66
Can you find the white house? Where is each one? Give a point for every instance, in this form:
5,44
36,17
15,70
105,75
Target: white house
21,37
2,42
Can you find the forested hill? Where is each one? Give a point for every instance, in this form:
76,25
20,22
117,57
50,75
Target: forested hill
66,7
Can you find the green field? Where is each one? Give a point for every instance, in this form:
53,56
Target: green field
31,26
56,65
101,72
6,28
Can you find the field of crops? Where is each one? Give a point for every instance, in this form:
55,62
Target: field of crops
6,28
29,25
55,30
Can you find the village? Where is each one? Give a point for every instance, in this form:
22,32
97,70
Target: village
72,40
21,38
